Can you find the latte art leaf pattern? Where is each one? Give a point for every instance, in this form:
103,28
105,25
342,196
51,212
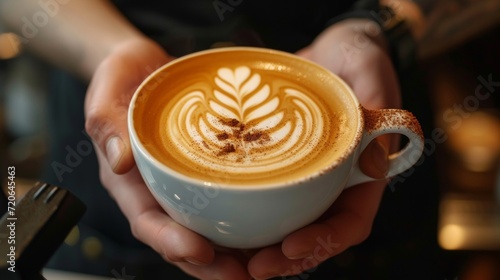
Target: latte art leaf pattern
236,86
242,123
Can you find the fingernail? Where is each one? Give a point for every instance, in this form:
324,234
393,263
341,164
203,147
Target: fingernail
379,157
114,151
194,261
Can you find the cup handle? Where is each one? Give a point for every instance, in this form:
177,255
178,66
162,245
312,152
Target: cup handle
390,121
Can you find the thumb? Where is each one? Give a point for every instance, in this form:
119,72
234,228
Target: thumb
374,160
108,129
106,110
108,97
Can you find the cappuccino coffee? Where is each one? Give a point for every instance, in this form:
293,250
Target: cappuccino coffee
247,118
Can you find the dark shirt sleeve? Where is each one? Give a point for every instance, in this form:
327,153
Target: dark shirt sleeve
183,27
367,9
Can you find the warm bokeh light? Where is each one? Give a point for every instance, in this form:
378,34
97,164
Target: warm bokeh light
10,45
451,236
475,141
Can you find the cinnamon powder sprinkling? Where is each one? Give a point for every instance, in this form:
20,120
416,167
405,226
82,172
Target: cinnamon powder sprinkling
230,122
222,136
376,119
205,144
238,134
250,137
228,148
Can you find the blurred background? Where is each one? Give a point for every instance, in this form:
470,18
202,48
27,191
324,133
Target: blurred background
439,220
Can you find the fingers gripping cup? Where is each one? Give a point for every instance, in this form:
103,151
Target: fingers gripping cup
246,145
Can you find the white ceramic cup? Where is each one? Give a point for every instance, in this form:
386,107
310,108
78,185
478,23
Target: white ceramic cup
237,217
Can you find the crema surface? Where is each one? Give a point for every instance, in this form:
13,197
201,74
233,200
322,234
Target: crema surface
243,118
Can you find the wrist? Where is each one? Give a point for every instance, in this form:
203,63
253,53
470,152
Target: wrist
136,47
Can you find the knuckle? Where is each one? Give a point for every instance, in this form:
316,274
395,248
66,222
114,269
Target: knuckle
134,228
97,124
168,257
153,240
135,231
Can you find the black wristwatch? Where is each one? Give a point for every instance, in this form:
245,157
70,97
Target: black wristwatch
402,45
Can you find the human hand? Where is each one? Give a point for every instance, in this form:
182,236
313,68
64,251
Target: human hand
106,105
362,61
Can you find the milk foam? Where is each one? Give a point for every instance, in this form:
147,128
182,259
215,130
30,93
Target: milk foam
244,124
